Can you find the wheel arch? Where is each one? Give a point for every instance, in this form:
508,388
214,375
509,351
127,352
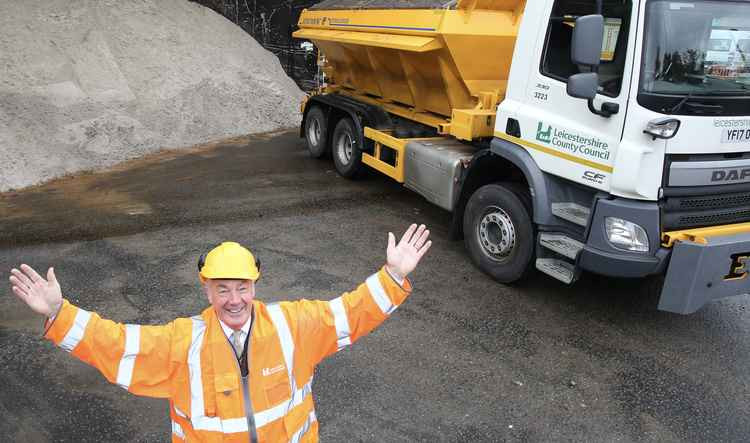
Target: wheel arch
502,161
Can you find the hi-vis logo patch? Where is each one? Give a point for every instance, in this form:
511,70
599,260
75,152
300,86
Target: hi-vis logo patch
269,371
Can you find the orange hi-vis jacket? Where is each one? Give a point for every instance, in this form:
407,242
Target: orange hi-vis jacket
191,362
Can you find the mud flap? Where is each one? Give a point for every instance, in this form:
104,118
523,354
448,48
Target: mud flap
701,273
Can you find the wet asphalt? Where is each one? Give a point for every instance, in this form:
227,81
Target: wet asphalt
464,359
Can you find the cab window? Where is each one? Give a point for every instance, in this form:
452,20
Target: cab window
556,61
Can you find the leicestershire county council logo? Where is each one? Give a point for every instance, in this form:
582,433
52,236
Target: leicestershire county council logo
542,135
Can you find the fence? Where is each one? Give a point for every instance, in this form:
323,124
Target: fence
271,23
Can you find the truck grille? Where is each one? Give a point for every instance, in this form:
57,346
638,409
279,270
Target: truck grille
685,212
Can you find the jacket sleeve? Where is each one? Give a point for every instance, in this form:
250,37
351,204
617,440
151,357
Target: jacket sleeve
322,328
135,357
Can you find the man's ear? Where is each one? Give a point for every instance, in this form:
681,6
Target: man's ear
204,286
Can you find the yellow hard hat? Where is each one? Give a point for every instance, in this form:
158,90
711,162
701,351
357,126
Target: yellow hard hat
228,260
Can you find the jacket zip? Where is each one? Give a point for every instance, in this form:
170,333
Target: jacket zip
249,410
246,384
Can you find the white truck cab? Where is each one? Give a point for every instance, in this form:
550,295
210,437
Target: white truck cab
621,142
672,157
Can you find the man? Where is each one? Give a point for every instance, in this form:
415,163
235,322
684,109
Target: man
242,370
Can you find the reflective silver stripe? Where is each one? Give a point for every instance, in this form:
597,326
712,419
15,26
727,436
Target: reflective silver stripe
379,295
127,362
197,408
341,321
228,426
179,413
305,427
269,415
75,335
232,425
177,430
287,343
194,367
262,418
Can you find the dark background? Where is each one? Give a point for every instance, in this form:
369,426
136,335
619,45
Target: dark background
271,23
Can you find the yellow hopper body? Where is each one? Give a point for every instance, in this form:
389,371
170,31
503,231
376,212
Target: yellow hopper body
444,67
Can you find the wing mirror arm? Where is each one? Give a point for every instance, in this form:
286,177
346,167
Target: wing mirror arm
608,108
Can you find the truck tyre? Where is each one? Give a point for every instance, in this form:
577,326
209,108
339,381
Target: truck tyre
316,132
347,148
498,232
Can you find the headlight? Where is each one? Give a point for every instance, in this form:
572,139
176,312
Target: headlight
664,128
626,235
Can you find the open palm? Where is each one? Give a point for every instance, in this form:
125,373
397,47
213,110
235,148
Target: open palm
403,257
43,296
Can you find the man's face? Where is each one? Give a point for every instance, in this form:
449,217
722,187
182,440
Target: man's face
231,299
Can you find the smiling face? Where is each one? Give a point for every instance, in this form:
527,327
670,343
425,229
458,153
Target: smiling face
231,299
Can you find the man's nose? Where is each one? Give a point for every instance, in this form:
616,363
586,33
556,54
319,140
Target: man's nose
234,296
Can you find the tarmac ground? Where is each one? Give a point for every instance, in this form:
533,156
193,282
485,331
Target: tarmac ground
465,359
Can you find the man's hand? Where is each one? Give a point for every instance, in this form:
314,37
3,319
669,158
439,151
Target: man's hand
404,257
43,296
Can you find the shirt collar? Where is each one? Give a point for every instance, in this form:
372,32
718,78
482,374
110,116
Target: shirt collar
245,328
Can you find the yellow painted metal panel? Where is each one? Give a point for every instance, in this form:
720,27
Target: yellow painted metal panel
489,4
399,145
382,167
402,42
495,32
701,235
391,78
422,64
407,22
470,124
352,67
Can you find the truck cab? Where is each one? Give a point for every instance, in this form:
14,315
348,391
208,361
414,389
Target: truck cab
619,142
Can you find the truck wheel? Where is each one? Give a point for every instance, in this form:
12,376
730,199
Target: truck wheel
346,149
498,232
316,126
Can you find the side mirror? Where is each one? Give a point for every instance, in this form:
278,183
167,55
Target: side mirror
586,49
586,46
583,85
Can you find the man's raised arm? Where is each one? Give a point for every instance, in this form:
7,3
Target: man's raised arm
135,357
323,327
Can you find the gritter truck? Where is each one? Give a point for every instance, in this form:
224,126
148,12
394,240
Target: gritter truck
562,135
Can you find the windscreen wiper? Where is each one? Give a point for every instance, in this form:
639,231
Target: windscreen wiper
696,108
701,108
681,103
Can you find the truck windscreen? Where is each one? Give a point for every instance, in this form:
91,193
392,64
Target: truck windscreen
696,57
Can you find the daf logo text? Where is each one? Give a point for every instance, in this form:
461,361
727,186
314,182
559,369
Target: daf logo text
730,175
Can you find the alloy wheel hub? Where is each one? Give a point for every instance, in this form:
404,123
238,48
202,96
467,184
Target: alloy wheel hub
496,232
314,132
345,148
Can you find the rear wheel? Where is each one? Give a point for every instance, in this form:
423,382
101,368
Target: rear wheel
347,148
316,133
498,232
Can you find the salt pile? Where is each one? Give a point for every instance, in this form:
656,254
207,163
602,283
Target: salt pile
85,84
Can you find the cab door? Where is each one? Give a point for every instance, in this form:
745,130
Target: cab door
560,132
